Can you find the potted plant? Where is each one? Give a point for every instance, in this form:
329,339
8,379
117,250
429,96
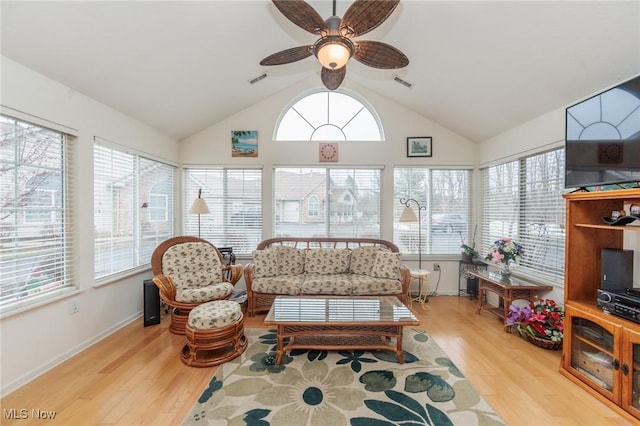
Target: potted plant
469,250
541,322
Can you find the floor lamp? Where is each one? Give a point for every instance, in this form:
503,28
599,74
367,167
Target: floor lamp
199,207
408,215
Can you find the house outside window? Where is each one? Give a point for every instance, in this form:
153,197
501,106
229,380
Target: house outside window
133,208
348,202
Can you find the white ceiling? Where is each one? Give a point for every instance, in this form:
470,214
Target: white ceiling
477,67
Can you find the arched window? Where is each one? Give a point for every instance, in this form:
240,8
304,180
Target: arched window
329,116
313,206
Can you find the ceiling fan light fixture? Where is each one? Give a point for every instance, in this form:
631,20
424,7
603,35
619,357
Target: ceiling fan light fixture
333,53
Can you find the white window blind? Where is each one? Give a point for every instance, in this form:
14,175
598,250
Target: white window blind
445,195
328,202
36,213
234,198
133,208
522,199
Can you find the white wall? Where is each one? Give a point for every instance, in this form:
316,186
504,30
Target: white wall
35,340
213,146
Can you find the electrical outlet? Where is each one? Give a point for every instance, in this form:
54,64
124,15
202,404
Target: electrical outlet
74,307
436,267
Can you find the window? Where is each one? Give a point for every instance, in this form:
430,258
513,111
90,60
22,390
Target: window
36,228
313,206
329,116
446,216
522,199
348,202
234,198
133,208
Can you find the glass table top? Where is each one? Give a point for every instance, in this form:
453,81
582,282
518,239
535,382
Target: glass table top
509,281
343,310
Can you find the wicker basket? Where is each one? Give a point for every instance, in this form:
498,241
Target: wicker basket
543,343
538,341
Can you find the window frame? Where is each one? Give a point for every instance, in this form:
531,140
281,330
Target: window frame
48,266
542,239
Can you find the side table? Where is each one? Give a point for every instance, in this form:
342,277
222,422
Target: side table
464,268
422,275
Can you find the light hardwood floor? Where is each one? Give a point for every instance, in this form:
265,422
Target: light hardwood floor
134,377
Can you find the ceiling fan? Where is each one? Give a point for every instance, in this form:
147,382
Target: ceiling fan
335,45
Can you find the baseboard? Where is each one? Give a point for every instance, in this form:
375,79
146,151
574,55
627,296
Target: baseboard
37,372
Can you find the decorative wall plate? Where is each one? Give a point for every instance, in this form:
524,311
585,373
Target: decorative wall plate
328,152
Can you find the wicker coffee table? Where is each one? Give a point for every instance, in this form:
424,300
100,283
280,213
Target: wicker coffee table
333,323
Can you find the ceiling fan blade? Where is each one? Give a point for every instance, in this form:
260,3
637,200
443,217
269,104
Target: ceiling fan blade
302,14
287,56
332,79
380,55
365,15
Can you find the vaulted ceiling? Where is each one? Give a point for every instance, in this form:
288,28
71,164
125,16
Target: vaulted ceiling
476,67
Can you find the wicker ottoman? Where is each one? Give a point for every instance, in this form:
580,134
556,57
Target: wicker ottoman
215,334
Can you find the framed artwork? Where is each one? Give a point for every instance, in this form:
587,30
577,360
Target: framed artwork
419,146
244,143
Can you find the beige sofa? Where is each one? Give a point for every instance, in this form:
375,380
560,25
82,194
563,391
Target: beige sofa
324,266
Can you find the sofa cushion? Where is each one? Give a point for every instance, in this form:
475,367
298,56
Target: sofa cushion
265,263
365,285
282,284
363,258
386,265
327,261
336,284
290,260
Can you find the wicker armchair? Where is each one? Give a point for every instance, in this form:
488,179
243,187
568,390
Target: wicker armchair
190,271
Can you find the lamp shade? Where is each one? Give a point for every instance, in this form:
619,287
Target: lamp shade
333,55
408,215
199,206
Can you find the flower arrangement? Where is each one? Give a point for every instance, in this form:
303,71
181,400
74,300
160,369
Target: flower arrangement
542,319
505,250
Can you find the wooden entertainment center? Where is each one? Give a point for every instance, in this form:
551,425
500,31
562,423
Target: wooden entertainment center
601,351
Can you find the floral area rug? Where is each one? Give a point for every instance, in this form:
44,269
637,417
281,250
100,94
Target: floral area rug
341,388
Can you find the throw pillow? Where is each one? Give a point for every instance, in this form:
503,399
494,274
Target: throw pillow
266,264
363,258
386,265
327,261
290,260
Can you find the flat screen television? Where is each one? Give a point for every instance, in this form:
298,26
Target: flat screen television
602,138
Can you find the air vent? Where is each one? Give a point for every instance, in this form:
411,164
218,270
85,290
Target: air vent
403,82
258,78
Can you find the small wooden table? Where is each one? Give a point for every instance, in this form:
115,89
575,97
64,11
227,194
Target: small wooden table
333,323
507,290
422,276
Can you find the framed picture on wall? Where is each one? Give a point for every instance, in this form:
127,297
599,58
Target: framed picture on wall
244,143
419,146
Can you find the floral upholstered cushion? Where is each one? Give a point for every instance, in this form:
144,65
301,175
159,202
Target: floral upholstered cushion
290,260
198,260
338,284
327,261
266,263
363,258
214,314
213,291
386,265
283,284
366,285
